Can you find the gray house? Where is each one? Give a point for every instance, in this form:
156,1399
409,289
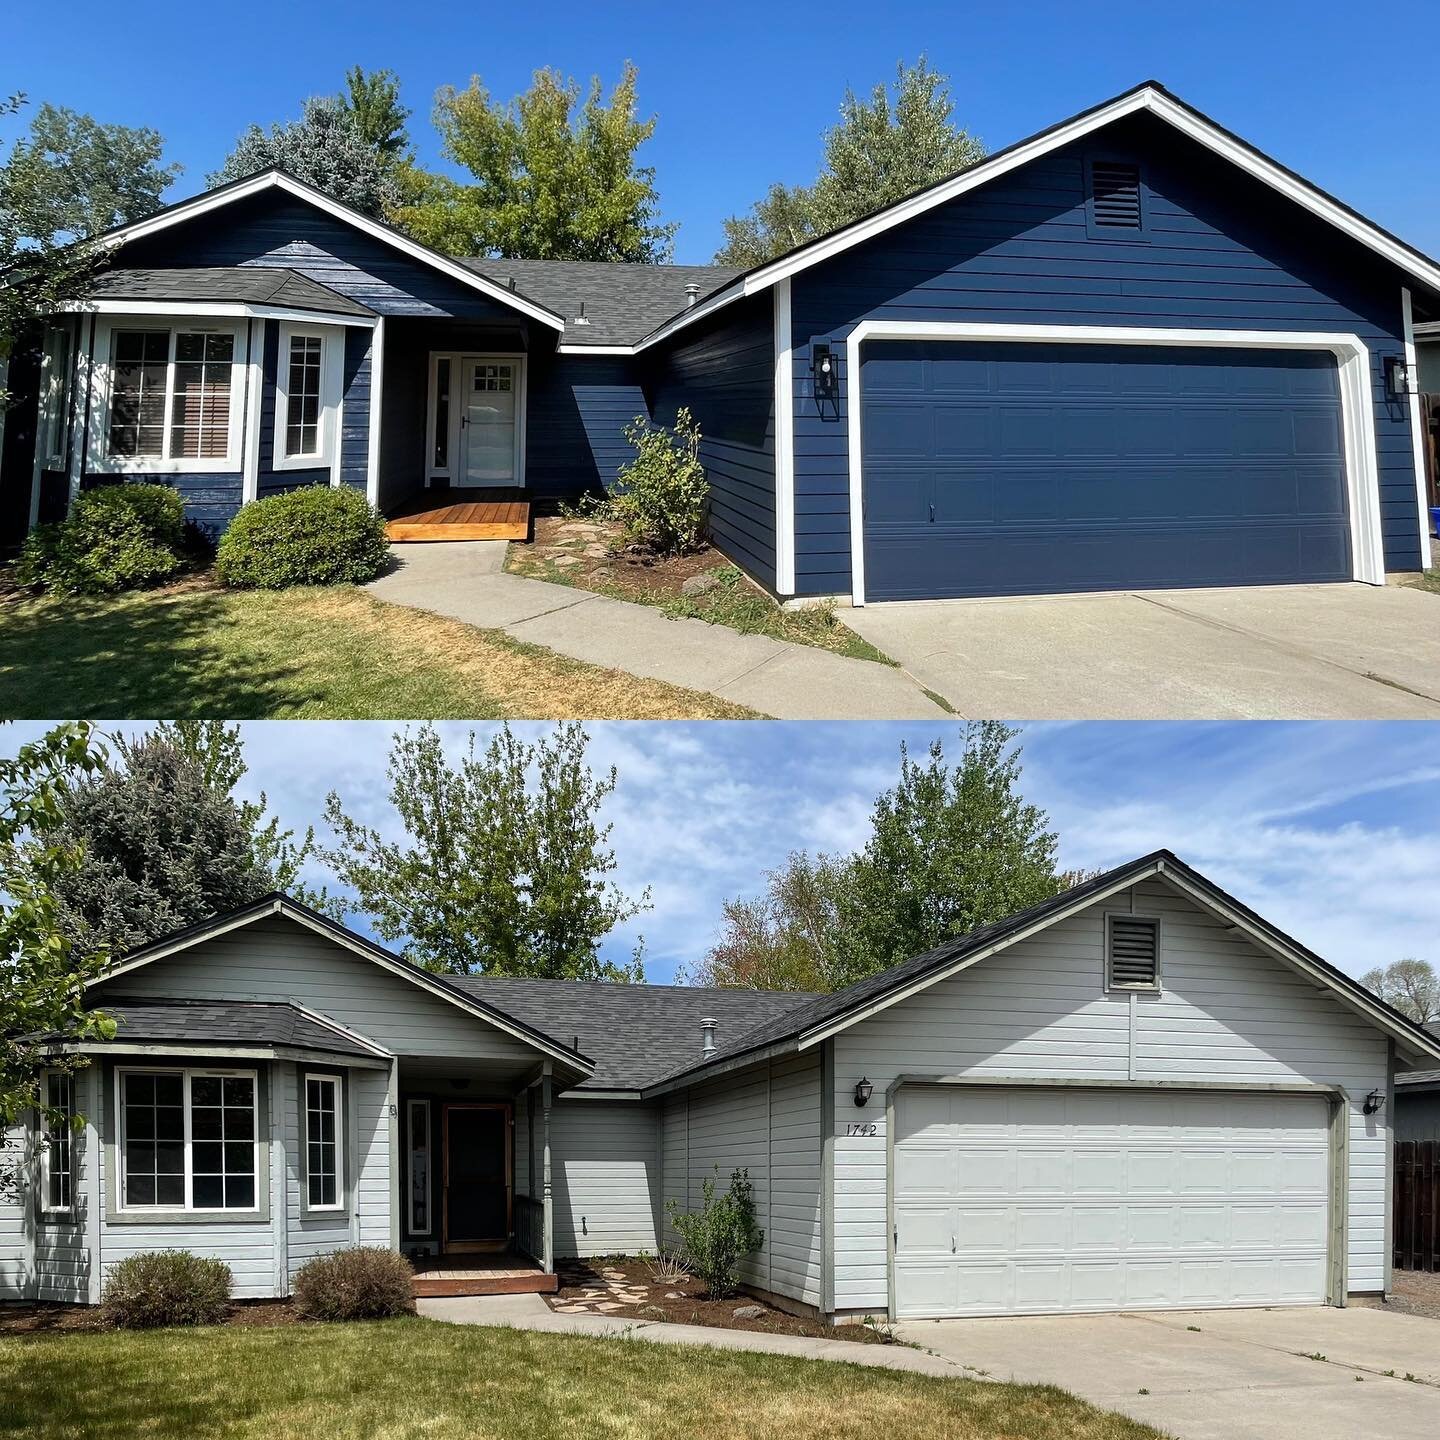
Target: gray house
1417,1102
1138,1094
1129,351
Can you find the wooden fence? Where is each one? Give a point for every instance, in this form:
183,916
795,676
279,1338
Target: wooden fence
1417,1205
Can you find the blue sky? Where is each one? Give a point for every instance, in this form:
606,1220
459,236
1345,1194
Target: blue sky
1332,831
743,91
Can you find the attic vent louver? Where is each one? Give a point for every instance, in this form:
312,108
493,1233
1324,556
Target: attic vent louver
1115,194
1134,958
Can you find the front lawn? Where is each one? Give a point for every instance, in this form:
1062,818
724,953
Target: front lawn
196,650
422,1378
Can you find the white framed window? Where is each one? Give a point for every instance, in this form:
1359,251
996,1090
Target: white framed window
56,362
417,1189
189,1139
57,1158
167,396
307,396
324,1183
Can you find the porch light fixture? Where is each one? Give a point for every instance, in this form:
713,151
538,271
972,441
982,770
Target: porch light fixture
824,372
863,1091
1397,378
1374,1102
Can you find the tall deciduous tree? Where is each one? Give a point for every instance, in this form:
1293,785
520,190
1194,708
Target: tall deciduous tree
555,176
42,973
1411,986
881,151
504,865
372,99
325,148
950,847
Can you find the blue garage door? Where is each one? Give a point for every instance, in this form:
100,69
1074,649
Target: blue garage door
994,469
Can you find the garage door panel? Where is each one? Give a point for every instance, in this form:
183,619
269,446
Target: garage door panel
1099,1199
1230,463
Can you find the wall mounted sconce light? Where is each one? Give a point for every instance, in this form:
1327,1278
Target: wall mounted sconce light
824,371
863,1091
1397,378
1374,1102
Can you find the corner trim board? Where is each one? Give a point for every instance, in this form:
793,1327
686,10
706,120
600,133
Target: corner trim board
1417,425
784,443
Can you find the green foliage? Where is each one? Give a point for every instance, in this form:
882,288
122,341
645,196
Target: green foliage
315,535
662,496
1411,986
159,848
118,537
504,863
550,183
366,1282
950,848
720,1233
880,152
326,148
165,1287
41,974
373,101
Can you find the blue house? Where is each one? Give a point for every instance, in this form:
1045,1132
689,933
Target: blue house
1131,351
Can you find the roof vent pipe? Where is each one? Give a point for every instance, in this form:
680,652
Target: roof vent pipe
692,294
707,1038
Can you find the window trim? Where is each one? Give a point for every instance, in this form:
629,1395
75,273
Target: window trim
337,1087
98,460
1114,987
44,1172
188,1074
411,1106
332,351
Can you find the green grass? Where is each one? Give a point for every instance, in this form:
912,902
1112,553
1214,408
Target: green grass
398,1379
734,603
198,651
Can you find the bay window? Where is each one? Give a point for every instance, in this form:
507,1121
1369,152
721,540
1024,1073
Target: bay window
307,396
324,1185
188,1140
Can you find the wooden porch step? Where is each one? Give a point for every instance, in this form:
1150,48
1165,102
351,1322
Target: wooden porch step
457,515
505,1274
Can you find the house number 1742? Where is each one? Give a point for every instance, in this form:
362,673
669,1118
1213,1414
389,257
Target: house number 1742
870,1129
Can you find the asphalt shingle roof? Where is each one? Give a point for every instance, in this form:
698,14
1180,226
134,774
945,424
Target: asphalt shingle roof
623,303
229,1022
1421,1077
634,1033
229,284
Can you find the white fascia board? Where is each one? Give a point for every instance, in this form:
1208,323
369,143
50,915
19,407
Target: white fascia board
1147,99
320,1018
218,309
175,1049
271,179
563,349
366,951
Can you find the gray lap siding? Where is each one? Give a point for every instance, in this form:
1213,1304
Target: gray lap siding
1220,251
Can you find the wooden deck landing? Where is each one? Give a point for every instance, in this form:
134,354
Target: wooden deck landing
504,1274
460,515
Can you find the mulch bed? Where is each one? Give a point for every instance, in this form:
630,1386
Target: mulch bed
42,1318
624,1288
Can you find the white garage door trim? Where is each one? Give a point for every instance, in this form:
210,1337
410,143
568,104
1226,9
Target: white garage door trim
1357,406
1338,1116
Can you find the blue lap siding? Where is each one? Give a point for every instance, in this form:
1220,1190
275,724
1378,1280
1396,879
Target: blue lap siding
1219,251
725,376
355,410
578,407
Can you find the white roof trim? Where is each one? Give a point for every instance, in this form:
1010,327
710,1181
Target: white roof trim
223,926
277,180
1147,98
205,309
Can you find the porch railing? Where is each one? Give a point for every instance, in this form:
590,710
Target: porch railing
530,1227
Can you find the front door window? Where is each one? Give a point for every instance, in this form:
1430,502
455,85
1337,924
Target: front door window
488,422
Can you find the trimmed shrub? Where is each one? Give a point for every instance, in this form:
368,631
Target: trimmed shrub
119,537
310,536
367,1282
166,1287
664,492
720,1234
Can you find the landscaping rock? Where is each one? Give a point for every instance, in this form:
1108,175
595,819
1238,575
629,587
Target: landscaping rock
748,1312
699,584
565,561
674,1294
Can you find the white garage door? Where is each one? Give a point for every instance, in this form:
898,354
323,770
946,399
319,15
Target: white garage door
1032,1201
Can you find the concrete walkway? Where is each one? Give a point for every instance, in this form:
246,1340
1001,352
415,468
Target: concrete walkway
790,682
530,1312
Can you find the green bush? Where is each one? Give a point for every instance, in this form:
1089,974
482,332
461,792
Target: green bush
118,537
720,1234
311,536
662,499
166,1287
367,1282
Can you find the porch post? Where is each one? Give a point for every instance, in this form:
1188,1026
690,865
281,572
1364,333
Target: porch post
392,1135
548,1258
377,382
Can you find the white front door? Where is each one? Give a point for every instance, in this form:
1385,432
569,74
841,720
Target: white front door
490,419
1031,1201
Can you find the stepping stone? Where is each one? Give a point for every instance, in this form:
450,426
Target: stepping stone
607,1307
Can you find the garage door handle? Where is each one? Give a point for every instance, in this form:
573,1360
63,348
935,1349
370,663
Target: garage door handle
952,1244
932,512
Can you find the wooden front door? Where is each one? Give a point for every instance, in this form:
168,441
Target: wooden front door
477,1177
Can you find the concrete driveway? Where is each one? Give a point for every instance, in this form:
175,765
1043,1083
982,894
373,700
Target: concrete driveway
1238,1375
1269,652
